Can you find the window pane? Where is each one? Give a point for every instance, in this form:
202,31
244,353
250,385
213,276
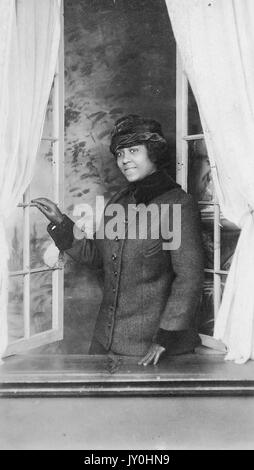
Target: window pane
15,239
208,243
223,282
229,239
15,309
41,302
39,238
48,124
200,183
206,312
194,124
42,184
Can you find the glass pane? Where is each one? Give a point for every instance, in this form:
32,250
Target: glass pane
223,282
41,302
15,239
229,239
208,243
200,183
48,124
206,312
39,238
15,309
194,124
42,184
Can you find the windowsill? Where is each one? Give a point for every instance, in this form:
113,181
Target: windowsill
203,373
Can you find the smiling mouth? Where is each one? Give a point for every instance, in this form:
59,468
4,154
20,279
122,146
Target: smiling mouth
131,168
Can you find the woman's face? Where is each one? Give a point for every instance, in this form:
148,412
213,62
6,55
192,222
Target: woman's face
134,162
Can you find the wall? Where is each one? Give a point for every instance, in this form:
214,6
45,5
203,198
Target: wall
127,423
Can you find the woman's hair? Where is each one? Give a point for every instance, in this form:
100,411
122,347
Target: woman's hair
133,130
158,152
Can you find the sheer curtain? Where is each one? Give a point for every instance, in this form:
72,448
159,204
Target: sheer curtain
29,42
216,42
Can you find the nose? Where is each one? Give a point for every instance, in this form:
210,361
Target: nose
126,155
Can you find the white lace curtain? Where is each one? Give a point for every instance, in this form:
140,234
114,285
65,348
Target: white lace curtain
216,42
29,42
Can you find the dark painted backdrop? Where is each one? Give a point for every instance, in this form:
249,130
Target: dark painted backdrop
119,59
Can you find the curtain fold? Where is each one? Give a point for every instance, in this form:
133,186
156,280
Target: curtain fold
216,40
29,43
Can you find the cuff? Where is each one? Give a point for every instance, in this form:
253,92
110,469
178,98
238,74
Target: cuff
62,233
178,342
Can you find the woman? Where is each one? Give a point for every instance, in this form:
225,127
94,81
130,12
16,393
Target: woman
150,294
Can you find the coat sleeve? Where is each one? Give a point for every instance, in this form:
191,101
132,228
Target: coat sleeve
188,266
84,251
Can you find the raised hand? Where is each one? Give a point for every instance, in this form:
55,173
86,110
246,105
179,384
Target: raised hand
48,208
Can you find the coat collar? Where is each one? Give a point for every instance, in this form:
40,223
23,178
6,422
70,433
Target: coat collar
152,186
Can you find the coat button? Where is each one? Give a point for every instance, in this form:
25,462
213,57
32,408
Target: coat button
115,273
114,257
114,290
116,238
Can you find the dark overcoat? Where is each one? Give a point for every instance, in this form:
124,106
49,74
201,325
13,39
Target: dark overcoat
146,287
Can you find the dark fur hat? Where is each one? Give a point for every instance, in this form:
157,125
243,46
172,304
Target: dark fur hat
133,130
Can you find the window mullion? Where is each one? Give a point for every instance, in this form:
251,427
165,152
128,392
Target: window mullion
193,137
26,263
58,171
181,123
218,271
217,258
31,271
50,139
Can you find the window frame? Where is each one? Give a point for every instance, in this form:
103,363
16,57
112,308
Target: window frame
182,155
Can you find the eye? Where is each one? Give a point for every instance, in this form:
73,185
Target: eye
119,154
133,149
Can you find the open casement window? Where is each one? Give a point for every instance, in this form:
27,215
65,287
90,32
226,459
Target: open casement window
193,173
35,307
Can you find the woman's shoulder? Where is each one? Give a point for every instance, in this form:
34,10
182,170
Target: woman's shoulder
119,195
177,196
172,196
